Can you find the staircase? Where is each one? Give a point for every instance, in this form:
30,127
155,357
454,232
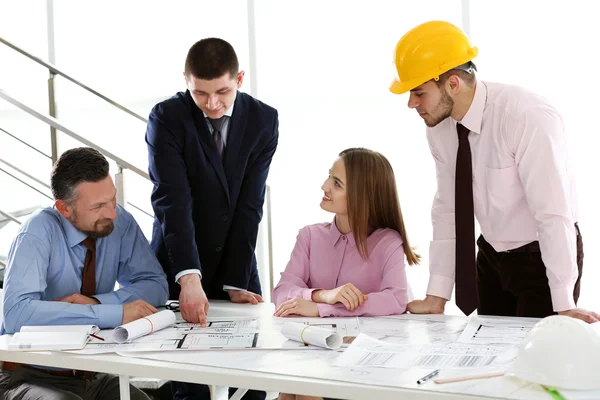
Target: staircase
25,179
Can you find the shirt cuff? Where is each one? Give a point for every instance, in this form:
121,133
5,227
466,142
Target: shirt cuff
107,298
562,298
228,288
187,272
109,315
307,294
440,286
331,310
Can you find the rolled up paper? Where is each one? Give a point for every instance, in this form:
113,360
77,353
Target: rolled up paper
309,334
143,326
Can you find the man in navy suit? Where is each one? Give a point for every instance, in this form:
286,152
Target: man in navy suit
209,151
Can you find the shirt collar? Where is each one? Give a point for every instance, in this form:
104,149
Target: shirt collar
336,235
74,235
474,115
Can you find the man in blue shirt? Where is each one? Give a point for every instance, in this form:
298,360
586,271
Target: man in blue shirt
62,269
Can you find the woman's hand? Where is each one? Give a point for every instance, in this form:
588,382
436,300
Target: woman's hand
297,306
347,294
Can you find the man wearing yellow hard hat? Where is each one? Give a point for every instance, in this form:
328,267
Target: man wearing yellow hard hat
501,156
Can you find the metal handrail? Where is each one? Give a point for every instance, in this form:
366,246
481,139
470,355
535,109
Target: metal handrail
56,71
8,216
25,183
25,143
140,209
54,123
33,178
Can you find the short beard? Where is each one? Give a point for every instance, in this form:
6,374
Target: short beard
443,109
96,233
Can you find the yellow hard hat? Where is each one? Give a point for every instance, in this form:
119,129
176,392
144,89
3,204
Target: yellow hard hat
427,51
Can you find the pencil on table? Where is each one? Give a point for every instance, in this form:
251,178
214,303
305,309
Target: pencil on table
468,377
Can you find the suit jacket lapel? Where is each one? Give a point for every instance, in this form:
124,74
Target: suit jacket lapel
235,136
208,143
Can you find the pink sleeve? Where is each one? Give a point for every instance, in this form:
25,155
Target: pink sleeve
391,298
294,279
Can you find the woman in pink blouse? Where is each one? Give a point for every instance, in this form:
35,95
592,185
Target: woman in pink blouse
354,265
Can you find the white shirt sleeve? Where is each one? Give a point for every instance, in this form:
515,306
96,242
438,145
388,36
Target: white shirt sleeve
187,272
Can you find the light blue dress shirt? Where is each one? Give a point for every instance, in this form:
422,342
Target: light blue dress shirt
46,260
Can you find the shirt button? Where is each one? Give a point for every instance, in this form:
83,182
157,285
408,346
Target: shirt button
343,237
218,249
224,217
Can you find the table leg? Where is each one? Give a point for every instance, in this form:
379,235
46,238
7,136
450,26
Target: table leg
238,394
124,387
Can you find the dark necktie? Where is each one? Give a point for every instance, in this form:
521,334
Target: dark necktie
88,280
466,271
217,125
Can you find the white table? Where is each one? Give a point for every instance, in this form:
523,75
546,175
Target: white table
224,368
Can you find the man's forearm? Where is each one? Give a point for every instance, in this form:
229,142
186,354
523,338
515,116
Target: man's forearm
39,312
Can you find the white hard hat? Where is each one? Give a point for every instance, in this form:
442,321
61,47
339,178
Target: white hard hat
561,352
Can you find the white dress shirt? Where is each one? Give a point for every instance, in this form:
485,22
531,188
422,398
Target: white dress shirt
523,186
224,134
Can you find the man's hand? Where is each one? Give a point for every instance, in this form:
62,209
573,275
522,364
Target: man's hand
580,313
244,296
193,303
78,299
431,305
297,306
347,294
136,310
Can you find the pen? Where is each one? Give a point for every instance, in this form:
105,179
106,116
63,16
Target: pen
553,393
96,337
428,377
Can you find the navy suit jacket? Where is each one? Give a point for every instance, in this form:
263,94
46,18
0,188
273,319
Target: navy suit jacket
207,209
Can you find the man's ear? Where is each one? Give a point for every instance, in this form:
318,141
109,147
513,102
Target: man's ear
64,209
240,78
453,84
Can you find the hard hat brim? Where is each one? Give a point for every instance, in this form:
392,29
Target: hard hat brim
398,87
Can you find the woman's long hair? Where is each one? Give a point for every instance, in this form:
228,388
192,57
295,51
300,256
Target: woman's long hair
373,198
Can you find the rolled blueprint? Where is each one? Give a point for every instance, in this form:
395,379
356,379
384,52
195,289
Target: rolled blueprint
314,335
143,326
